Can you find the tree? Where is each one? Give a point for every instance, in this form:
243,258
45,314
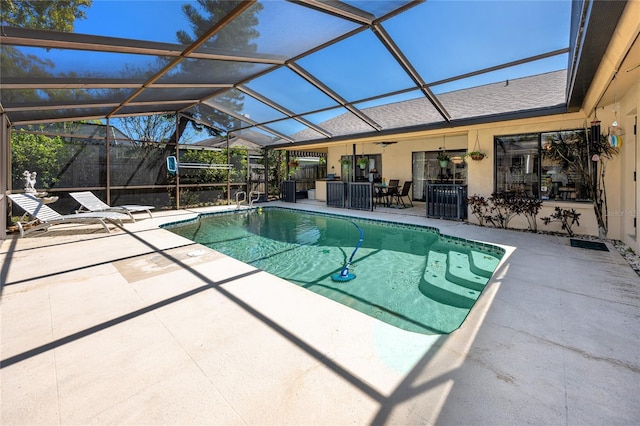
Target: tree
147,128
211,157
36,153
57,15
237,36
277,168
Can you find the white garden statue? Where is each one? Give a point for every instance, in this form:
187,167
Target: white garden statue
30,182
30,188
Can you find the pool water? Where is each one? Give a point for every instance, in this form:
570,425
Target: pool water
408,276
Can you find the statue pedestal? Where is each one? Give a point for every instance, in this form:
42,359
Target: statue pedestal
48,200
43,196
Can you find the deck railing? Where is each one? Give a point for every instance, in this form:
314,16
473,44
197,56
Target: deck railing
336,194
352,195
288,191
446,201
360,195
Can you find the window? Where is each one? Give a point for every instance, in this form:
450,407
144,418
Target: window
550,166
566,165
517,164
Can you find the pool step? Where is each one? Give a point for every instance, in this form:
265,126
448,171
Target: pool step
459,271
482,264
435,284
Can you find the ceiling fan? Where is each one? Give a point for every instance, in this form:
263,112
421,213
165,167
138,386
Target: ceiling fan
384,144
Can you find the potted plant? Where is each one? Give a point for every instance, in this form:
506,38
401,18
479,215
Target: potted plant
294,163
443,159
476,155
346,162
363,162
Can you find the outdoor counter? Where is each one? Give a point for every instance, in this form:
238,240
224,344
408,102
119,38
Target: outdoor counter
321,190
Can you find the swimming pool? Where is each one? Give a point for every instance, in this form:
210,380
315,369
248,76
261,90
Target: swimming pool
409,276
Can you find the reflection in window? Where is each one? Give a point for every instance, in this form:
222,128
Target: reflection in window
368,168
427,169
565,165
550,166
517,165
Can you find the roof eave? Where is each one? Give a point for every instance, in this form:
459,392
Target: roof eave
470,121
593,27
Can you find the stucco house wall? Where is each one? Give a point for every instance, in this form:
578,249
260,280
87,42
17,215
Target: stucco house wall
627,185
622,192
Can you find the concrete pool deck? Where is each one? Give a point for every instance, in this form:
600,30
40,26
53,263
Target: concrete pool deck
142,326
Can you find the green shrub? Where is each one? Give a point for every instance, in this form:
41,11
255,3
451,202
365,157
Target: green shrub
566,217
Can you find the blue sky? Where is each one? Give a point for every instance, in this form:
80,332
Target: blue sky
441,38
517,29
136,19
139,18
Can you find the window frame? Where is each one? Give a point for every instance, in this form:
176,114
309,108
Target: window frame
458,167
538,162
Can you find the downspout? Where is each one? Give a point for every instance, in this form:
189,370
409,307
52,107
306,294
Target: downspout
266,172
353,164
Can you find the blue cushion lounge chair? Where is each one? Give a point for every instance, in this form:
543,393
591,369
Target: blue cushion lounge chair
44,216
89,202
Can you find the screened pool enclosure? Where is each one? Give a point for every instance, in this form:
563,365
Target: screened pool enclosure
229,82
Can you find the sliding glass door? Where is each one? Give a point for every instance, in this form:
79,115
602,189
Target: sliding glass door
427,169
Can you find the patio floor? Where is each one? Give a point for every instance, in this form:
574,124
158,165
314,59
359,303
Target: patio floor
141,326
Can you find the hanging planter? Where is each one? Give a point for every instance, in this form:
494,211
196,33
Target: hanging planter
443,159
363,162
477,153
294,165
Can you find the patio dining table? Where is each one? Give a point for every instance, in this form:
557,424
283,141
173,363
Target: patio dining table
385,192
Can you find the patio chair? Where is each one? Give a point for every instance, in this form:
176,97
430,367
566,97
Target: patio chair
380,196
393,187
404,193
43,216
89,202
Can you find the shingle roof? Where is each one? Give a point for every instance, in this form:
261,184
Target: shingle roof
523,94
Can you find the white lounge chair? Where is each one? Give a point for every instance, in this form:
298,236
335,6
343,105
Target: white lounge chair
89,202
44,216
